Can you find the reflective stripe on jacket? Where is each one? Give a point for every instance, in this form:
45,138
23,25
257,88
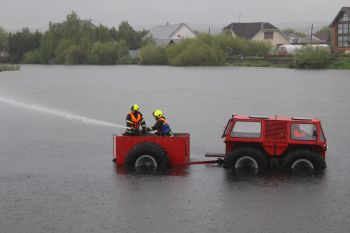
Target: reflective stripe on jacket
135,121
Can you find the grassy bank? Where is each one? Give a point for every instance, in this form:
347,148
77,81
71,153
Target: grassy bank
316,61
341,63
8,67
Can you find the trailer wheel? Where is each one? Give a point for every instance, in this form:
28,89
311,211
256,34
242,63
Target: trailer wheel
147,155
302,159
247,157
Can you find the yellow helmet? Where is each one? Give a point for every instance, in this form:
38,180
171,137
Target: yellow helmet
157,113
135,107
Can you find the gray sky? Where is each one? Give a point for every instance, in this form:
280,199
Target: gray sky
16,14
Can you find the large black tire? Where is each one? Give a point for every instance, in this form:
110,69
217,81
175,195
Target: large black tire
148,150
255,155
314,159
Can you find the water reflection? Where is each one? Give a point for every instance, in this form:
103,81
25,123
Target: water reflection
300,176
173,171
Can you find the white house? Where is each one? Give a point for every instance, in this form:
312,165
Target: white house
171,33
259,31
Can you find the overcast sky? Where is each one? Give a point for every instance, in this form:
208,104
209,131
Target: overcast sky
37,14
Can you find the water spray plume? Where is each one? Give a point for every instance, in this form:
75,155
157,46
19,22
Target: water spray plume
59,113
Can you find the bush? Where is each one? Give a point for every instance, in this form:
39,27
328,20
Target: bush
256,48
231,46
195,52
108,53
152,55
61,50
312,58
75,55
125,60
32,57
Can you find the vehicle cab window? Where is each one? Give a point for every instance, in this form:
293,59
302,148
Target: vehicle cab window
303,132
246,129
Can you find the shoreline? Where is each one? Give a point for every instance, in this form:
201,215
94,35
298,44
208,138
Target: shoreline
337,65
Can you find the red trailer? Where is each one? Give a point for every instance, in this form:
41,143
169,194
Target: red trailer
152,150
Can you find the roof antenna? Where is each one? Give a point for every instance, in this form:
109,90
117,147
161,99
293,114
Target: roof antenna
239,17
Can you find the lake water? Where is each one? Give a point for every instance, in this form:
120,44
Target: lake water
57,174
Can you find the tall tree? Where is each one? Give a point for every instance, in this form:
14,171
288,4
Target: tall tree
132,37
21,42
324,34
3,39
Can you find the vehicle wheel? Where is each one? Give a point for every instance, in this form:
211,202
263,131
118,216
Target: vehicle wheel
247,157
147,155
302,158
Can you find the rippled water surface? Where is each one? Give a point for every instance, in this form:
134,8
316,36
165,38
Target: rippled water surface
57,174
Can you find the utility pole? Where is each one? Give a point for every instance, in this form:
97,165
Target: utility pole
312,27
239,17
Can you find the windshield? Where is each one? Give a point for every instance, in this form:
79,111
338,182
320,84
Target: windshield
303,131
322,137
226,128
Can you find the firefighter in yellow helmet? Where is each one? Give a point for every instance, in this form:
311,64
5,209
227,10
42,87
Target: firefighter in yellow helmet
161,125
134,120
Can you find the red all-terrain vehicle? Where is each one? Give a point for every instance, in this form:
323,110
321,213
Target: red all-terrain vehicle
255,140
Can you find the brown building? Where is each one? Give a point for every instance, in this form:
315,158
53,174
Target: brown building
340,28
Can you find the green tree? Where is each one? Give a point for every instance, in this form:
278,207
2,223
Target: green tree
3,39
103,34
324,33
21,42
132,37
65,36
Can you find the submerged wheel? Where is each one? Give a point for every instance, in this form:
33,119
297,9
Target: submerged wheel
302,159
247,157
147,155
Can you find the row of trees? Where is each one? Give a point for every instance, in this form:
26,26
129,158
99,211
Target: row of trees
205,49
77,41
74,41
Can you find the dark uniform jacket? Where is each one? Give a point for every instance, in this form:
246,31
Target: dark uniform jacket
134,120
162,127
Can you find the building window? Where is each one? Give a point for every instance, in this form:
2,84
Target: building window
345,18
343,34
268,35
